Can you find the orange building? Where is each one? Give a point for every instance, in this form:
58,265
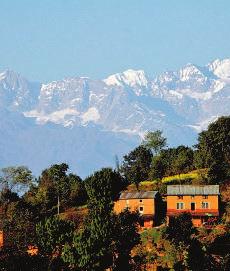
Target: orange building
201,201
1,227
1,239
143,201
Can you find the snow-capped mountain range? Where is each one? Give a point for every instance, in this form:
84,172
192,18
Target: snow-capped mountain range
87,122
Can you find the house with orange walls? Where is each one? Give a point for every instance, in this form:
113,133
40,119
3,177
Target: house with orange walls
201,201
1,239
146,202
1,228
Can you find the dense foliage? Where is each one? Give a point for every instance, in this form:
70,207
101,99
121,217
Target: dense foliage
136,165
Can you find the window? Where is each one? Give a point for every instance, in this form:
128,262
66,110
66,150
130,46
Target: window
140,200
141,209
205,196
180,205
180,197
204,205
193,206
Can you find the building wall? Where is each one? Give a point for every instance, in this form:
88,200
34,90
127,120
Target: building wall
135,204
1,238
199,215
187,200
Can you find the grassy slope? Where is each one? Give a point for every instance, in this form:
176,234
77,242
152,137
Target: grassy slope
194,175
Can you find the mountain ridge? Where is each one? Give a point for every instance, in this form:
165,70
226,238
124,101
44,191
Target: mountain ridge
121,107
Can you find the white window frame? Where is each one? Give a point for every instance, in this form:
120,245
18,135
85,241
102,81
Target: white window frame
141,212
180,205
205,205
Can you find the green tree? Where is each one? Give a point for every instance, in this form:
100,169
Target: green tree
158,168
15,178
172,161
106,239
218,172
18,224
58,175
180,228
181,234
52,234
184,160
77,194
92,245
125,237
136,165
112,181
56,191
154,141
213,149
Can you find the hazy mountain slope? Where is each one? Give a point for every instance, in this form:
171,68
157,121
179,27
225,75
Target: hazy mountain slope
84,148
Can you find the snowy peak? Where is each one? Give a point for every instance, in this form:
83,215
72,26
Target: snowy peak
65,84
192,72
190,76
13,80
66,93
132,79
126,101
221,68
129,77
16,93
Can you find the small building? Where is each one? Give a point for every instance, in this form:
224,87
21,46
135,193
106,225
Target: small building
1,229
143,201
1,238
201,201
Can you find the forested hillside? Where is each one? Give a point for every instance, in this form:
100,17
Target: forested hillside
59,221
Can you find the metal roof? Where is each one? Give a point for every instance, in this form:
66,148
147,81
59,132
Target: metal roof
138,195
193,190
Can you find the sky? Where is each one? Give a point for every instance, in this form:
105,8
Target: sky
48,40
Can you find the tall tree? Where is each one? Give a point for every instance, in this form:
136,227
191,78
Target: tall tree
136,165
213,149
158,168
15,179
19,225
106,239
57,173
125,237
172,161
92,245
183,161
52,234
77,194
56,190
154,141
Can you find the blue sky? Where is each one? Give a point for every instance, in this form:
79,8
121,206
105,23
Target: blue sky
51,39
